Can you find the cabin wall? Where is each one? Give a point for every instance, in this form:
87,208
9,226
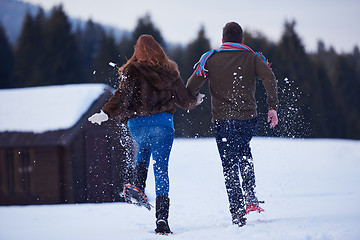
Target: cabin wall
29,175
92,167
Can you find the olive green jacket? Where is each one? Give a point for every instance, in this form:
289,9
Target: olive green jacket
232,80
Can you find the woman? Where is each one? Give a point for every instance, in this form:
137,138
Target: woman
150,87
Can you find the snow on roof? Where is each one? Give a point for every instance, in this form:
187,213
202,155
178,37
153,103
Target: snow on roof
50,108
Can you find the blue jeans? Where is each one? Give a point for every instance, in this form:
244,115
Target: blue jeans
155,140
233,141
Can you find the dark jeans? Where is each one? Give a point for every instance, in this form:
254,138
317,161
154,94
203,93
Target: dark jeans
233,141
156,141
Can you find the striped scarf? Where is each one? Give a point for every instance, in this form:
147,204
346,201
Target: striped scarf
227,46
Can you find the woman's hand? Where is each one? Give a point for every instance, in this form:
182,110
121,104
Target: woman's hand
98,118
199,99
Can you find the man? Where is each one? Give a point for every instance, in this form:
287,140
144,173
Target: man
232,71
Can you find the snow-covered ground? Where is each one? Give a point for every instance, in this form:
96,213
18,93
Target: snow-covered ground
311,189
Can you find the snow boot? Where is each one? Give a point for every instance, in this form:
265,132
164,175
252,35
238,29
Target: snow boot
162,215
140,172
238,218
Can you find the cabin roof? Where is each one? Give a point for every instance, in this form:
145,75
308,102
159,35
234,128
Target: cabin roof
47,115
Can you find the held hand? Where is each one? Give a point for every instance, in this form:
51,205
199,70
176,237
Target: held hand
272,116
199,99
98,118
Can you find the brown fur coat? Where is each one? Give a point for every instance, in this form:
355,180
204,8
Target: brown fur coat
146,90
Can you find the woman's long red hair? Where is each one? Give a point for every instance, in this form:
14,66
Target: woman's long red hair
147,49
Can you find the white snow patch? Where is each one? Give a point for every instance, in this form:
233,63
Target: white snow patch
41,109
311,190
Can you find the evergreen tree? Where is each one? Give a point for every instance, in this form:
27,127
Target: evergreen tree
62,54
328,121
193,52
347,87
295,80
327,57
324,102
29,52
176,53
107,55
145,26
126,49
200,119
89,41
259,43
127,43
6,60
356,63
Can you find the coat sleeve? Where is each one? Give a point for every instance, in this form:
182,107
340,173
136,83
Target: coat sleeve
183,97
264,73
194,84
118,104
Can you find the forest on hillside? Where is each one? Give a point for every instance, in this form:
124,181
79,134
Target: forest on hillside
318,91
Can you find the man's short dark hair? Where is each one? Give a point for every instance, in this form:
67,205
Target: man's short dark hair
232,32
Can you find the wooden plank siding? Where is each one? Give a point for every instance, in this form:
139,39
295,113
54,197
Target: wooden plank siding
86,163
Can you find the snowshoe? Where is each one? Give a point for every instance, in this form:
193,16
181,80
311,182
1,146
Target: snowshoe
253,208
133,195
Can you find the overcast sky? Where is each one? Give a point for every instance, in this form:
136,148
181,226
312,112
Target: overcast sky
334,22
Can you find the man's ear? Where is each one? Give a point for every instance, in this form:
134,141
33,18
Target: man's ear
242,41
222,40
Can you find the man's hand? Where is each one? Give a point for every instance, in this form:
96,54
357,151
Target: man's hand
272,116
98,118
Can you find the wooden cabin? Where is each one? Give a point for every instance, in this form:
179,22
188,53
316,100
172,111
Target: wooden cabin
75,162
